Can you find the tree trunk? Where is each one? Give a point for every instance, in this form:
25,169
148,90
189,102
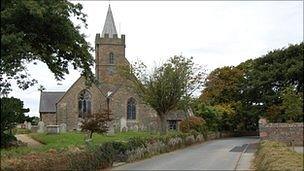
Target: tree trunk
163,124
91,134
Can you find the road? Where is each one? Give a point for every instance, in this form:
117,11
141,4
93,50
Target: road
221,154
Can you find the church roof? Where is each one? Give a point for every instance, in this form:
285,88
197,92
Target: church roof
109,26
48,101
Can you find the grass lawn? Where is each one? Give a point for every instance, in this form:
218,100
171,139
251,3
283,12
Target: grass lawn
65,140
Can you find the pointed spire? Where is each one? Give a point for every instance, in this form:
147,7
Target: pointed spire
109,26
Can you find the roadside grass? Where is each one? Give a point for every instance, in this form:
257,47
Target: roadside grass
273,155
64,141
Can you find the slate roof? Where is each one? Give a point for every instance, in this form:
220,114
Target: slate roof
109,26
48,101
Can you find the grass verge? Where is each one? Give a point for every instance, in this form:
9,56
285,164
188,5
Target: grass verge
273,155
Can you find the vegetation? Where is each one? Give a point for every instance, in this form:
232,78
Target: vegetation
292,105
93,157
271,86
12,112
168,87
63,141
38,30
97,122
32,119
272,155
193,123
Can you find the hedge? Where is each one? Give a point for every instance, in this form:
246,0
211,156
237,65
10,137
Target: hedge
92,157
272,155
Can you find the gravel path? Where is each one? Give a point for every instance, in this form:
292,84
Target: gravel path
26,139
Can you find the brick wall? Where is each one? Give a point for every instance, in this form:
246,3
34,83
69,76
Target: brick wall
284,132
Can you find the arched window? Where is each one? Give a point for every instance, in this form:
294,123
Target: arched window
131,108
111,58
84,103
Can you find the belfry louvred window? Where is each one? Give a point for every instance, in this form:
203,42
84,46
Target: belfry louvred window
111,58
84,103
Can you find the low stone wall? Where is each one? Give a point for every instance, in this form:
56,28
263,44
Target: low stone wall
288,133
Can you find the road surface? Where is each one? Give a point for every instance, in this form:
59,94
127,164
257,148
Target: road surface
221,154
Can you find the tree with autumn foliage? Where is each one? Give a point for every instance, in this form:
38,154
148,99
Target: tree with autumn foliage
97,122
222,85
270,86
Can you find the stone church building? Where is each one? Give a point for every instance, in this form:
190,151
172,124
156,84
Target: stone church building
129,113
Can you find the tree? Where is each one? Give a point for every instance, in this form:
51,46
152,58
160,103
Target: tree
11,112
209,114
168,87
274,113
222,85
272,73
33,119
97,122
254,88
292,104
38,30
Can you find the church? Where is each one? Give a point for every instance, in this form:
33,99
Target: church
129,112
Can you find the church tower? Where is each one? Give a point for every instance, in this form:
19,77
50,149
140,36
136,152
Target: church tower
109,52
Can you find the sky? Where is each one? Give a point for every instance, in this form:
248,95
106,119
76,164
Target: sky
215,34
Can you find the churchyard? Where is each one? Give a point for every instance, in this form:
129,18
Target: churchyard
62,141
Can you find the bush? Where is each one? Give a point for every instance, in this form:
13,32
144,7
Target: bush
193,123
7,139
273,155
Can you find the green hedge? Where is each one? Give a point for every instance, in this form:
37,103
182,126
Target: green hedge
273,155
92,157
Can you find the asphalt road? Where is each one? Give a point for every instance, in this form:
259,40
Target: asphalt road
220,154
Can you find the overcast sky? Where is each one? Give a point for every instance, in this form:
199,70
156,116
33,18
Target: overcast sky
215,33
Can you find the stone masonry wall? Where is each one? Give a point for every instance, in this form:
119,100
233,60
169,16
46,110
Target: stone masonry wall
67,106
283,132
48,118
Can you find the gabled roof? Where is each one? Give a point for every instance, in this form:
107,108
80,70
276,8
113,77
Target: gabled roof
109,26
48,101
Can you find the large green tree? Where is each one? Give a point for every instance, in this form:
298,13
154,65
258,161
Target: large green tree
257,87
12,112
39,30
292,105
272,73
168,87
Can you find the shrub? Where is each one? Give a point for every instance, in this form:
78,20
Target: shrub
7,139
193,123
273,155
